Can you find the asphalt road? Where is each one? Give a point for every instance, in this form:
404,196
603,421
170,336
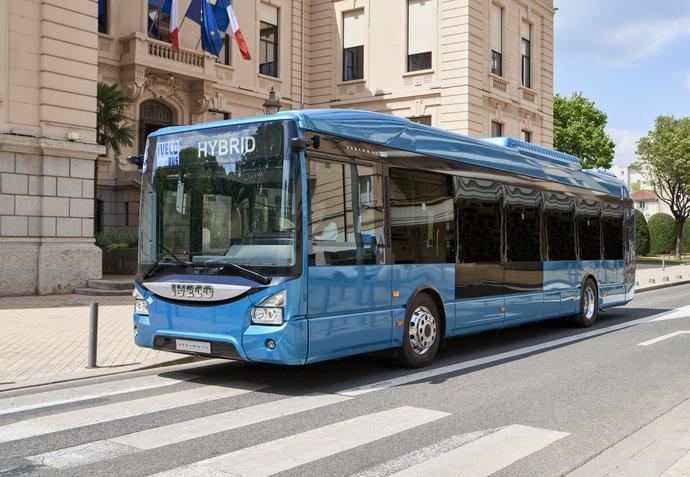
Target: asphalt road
540,399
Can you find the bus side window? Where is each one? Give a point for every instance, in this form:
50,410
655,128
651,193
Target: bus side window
480,207
589,229
523,236
612,231
559,217
345,214
422,215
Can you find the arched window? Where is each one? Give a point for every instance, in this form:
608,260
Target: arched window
153,115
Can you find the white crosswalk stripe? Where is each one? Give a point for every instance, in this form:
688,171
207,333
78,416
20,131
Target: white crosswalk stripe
299,449
487,455
82,393
120,410
183,431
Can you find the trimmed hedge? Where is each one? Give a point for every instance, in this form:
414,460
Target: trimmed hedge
110,241
662,233
641,234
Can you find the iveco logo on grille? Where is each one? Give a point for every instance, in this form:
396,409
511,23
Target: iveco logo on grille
191,291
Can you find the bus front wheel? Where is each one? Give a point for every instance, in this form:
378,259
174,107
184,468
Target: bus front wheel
589,305
422,330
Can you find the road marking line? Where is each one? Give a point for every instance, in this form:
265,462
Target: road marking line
81,455
289,452
423,454
664,337
83,393
183,431
453,368
487,455
682,312
120,410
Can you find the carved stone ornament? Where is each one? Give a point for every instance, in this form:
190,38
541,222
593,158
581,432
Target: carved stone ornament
163,86
201,105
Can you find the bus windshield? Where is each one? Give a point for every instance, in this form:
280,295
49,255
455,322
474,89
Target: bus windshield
220,201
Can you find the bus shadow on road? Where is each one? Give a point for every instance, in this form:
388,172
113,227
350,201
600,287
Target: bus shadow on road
337,375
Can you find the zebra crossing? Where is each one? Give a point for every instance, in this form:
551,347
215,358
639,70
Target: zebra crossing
475,454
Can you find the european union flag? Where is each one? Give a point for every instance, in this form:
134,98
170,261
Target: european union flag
201,12
220,11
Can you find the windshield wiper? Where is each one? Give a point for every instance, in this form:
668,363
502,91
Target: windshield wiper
159,260
245,272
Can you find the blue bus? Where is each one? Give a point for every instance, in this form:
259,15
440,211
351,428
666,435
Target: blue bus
318,234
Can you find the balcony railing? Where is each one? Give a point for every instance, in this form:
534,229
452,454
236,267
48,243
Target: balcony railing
139,49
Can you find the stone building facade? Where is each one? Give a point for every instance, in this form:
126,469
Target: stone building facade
48,73
477,67
431,60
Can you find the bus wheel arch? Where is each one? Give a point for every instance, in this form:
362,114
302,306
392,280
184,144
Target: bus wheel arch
423,328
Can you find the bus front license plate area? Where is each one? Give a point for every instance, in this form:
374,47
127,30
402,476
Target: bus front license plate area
193,346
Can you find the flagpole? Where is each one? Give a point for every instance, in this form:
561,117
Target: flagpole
158,17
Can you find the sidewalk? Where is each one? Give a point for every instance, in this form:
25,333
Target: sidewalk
655,277
45,338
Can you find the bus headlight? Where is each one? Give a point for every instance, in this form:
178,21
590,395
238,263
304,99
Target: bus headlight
270,311
140,305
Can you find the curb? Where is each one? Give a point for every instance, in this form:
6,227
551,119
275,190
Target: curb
662,285
74,378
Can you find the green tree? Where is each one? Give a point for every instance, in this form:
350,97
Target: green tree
578,129
662,233
113,126
641,234
686,237
665,160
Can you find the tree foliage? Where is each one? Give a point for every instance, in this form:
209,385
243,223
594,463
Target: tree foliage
641,234
114,128
662,233
665,160
578,129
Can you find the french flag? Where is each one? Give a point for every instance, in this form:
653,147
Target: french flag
225,17
175,25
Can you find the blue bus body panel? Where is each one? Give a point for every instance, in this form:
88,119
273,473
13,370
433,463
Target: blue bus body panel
348,309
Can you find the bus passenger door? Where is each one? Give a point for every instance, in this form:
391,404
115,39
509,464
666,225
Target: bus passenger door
348,282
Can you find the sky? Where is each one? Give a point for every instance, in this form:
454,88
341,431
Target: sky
631,57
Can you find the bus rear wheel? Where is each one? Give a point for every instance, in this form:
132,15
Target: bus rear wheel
589,305
421,336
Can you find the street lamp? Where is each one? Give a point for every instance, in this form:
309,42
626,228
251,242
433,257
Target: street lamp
272,105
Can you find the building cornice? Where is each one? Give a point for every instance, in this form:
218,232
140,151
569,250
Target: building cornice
50,146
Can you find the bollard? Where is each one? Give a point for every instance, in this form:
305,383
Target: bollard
651,280
663,262
93,334
666,279
679,277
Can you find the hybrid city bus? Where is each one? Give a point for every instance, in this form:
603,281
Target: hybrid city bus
317,234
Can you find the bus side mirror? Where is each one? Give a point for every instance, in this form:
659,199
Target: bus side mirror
136,160
301,143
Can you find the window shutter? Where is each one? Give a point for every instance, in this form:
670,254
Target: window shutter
354,28
496,23
269,14
420,26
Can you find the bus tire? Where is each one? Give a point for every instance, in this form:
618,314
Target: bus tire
589,305
421,333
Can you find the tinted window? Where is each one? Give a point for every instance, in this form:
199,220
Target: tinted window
523,236
588,230
421,217
479,221
560,227
612,231
345,214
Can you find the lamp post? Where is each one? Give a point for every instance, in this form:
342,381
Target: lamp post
272,105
